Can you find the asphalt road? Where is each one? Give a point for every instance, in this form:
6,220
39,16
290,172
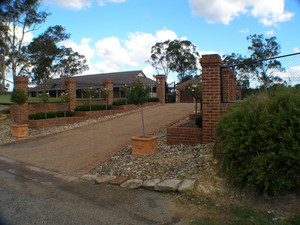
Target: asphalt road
23,201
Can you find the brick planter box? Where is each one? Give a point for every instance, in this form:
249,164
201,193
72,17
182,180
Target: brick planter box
53,122
184,135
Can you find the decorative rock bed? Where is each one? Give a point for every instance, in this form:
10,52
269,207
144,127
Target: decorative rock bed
171,168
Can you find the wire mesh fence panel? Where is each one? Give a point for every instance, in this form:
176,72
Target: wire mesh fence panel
254,76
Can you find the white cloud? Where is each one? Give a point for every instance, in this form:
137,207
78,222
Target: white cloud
102,2
79,4
245,31
119,54
270,33
268,12
71,4
296,49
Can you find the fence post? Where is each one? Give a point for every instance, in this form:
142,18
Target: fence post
71,89
211,95
19,113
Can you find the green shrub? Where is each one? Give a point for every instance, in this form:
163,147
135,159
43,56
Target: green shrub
153,99
41,115
93,107
19,97
260,141
199,120
120,102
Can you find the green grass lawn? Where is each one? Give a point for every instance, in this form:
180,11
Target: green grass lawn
5,99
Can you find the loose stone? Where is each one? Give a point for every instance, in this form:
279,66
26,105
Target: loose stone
186,185
132,183
150,183
89,177
168,185
104,179
119,180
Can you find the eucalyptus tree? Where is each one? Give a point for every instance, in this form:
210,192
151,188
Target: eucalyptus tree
19,17
261,64
178,56
40,57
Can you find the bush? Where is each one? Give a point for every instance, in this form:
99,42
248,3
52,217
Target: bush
19,97
199,120
41,115
120,102
260,141
93,107
153,99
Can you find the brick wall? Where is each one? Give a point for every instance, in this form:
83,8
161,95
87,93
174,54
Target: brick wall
184,135
71,89
19,113
211,95
39,124
161,88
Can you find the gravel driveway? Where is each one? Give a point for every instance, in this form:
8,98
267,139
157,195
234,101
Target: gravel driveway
74,151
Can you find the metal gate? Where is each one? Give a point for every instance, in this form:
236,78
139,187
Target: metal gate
170,93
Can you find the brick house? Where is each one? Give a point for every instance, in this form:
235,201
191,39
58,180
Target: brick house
120,79
181,95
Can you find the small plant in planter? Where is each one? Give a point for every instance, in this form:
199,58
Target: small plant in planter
92,92
195,91
44,98
104,92
145,144
65,98
19,130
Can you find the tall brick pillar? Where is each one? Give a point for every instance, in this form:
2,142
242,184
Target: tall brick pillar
228,85
161,88
71,89
109,83
211,95
19,113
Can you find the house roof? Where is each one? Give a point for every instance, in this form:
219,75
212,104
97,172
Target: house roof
95,81
182,86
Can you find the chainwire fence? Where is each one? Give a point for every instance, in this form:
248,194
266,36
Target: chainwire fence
254,76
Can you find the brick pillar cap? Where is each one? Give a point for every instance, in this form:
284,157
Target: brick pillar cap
160,76
108,80
70,79
211,59
21,79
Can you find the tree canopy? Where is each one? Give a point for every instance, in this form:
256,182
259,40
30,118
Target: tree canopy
178,56
260,64
44,55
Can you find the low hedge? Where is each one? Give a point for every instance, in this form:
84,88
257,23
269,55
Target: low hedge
153,99
120,102
123,101
42,115
93,107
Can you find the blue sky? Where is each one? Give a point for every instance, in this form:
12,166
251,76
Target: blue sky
117,35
